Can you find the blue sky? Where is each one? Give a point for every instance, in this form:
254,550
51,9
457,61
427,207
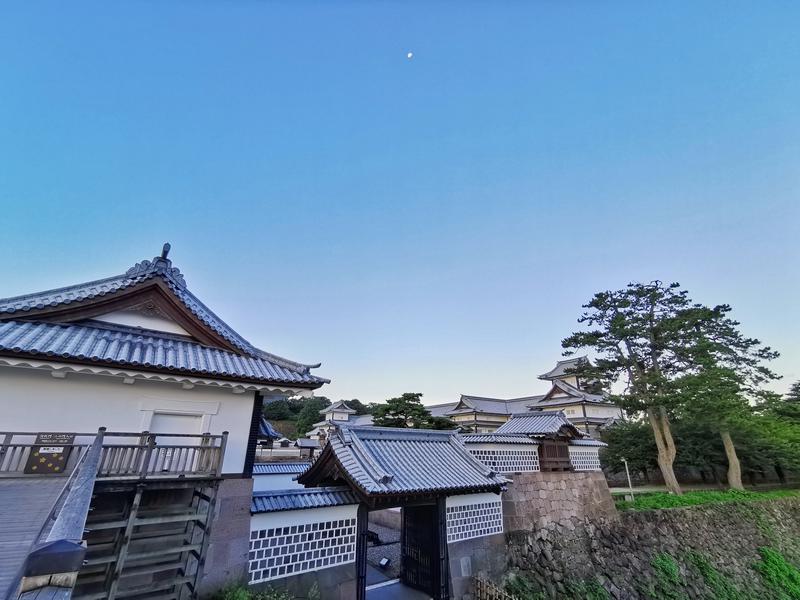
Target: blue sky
429,225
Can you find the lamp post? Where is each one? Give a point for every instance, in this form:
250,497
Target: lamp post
629,497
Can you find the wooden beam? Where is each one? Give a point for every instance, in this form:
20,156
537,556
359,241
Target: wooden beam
122,554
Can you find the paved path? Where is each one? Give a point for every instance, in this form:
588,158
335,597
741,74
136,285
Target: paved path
24,506
396,591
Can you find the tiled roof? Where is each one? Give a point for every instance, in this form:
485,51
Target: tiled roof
278,468
537,424
338,406
298,499
493,438
401,461
158,267
306,443
107,344
440,410
587,442
571,390
266,430
563,367
492,405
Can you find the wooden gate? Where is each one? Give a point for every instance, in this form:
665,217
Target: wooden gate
419,547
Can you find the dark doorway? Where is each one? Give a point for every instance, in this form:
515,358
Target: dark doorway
424,550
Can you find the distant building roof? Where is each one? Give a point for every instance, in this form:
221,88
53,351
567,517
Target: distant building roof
385,461
440,410
299,499
563,368
279,468
351,420
32,327
551,399
539,424
266,430
306,443
338,406
469,404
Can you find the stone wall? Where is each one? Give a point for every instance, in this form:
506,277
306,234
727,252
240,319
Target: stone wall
484,557
226,560
333,583
626,554
541,499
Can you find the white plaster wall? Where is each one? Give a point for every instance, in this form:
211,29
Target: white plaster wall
35,401
471,499
262,483
134,318
603,411
287,518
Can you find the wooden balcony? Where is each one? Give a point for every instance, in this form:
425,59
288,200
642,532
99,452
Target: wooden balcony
124,456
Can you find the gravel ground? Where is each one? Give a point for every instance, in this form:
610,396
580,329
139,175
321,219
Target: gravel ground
386,534
390,551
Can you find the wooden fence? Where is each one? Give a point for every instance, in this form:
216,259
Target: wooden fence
486,590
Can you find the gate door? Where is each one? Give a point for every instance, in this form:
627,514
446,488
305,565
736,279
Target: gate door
420,547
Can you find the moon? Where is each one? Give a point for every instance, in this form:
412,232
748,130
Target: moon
410,55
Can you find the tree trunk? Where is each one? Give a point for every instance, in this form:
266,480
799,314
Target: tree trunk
734,468
666,447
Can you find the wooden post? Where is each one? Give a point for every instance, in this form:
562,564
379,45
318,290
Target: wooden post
362,528
442,579
222,445
150,440
126,541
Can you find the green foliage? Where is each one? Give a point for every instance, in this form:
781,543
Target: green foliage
240,592
407,411
664,500
793,397
310,413
359,407
633,441
523,588
779,575
722,588
278,410
668,581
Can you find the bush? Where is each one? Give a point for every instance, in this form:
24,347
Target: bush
780,576
664,500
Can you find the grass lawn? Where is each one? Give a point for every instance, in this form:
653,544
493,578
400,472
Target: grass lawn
650,501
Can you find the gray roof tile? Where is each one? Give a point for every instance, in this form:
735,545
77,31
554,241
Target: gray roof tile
123,346
139,273
536,424
493,438
298,499
564,367
588,442
492,405
387,461
277,468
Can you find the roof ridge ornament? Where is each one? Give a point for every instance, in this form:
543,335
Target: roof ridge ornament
160,265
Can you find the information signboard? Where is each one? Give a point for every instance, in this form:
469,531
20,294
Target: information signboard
50,454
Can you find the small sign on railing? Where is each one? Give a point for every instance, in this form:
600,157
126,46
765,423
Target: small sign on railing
50,454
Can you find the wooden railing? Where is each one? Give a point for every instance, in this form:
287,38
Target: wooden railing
124,455
51,567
